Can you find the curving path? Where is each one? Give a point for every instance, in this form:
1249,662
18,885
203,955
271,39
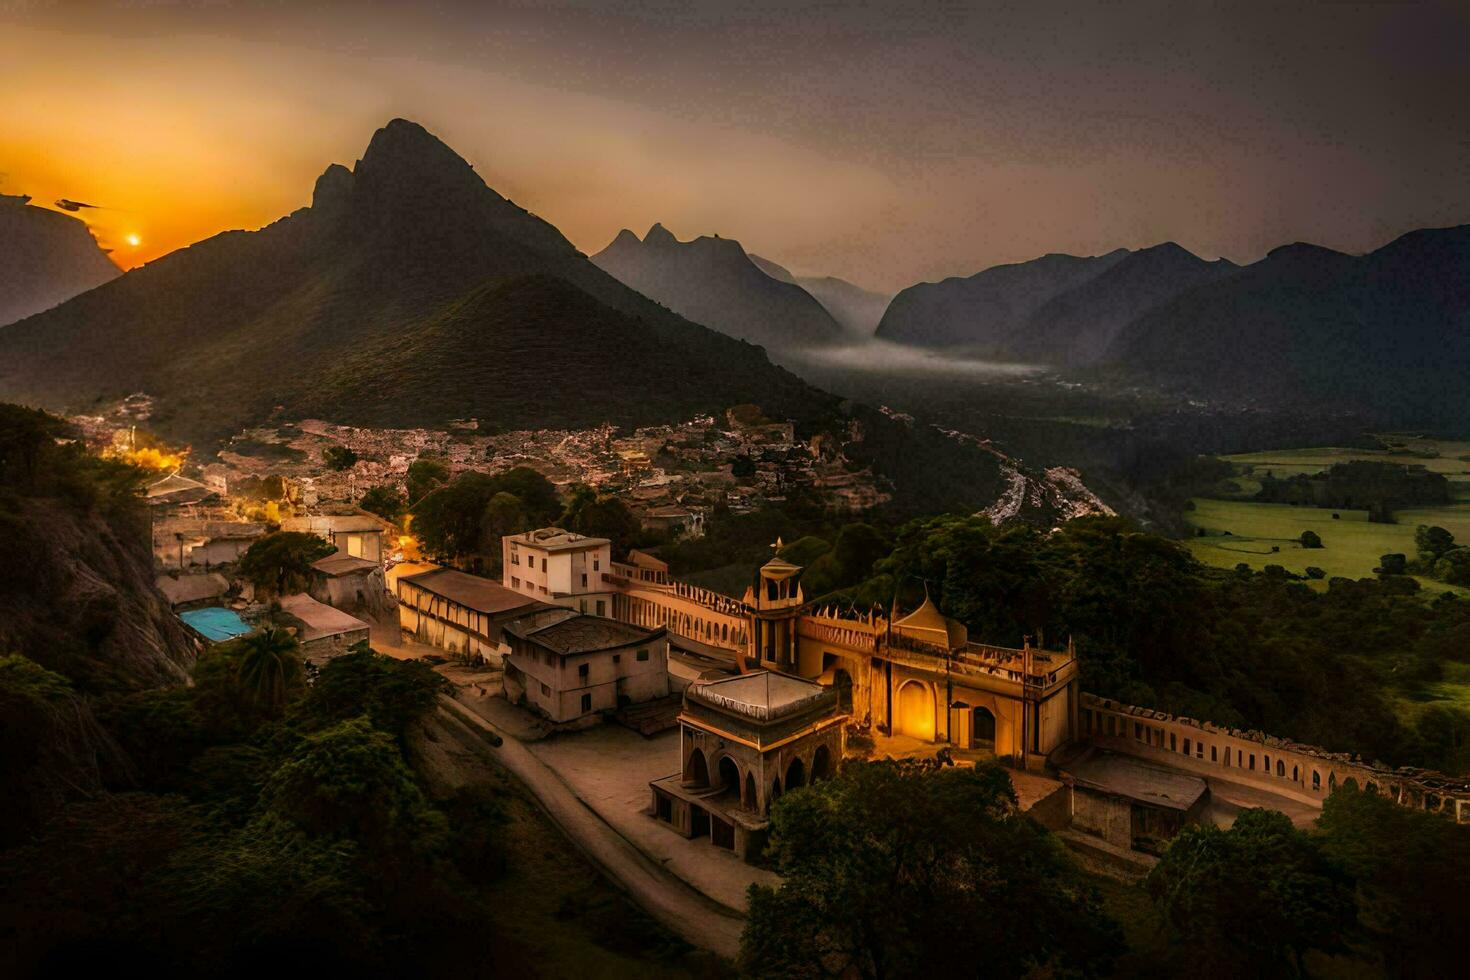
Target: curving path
697,918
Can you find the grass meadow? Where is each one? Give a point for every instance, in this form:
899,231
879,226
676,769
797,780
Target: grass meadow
1351,545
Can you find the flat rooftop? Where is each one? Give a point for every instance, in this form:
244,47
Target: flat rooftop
1135,779
343,564
567,632
471,591
557,539
319,619
760,694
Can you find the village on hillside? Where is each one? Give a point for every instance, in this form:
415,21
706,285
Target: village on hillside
678,714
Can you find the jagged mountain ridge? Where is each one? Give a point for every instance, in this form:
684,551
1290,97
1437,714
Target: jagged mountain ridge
712,280
411,294
856,308
984,312
46,258
226,330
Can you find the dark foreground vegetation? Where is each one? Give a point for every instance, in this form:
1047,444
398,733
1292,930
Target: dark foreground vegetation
909,869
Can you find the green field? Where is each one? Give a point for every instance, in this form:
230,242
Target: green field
1452,458
1351,546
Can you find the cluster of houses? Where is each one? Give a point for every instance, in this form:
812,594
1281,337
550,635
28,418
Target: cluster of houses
198,539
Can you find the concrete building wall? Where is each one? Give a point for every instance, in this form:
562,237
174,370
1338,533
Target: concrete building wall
557,686
325,648
1101,815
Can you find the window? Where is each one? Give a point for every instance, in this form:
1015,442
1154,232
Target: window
1214,754
1173,743
584,580
545,691
515,558
543,564
601,608
586,702
617,658
642,656
1138,731
354,545
596,565
515,583
1199,750
1316,780
582,671
1253,761
1186,746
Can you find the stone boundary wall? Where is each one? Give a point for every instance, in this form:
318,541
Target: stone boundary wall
1300,772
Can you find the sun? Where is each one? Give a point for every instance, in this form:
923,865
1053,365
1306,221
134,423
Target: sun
134,240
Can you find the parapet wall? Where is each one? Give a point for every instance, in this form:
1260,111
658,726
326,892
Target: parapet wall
1276,765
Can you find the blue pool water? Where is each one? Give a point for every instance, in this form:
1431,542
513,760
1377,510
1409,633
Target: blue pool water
216,624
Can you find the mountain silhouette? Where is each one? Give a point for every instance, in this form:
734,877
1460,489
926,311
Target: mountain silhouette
1078,326
408,293
986,311
49,257
858,310
712,281
1387,333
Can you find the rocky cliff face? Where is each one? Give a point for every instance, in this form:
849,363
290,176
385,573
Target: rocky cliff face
46,258
80,599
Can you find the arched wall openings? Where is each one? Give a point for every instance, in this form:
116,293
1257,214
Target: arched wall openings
696,770
915,711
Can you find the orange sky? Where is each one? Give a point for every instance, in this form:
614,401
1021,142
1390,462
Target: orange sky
886,144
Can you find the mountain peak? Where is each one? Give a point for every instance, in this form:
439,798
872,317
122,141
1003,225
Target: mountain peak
405,160
333,190
659,235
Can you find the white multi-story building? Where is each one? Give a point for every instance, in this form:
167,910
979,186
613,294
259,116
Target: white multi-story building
561,567
568,665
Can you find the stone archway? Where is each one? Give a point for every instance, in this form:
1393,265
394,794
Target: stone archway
795,774
821,764
749,801
915,711
982,729
729,775
696,770
842,681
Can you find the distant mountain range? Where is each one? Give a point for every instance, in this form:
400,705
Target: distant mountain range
856,308
408,293
1387,333
985,312
46,258
712,281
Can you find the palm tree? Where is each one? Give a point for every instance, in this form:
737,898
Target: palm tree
269,667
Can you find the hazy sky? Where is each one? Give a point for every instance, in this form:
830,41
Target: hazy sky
887,143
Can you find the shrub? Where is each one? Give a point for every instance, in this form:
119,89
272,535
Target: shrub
1311,539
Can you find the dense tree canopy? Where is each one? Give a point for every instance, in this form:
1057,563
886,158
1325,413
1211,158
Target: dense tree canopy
384,501
424,474
280,563
910,869
463,521
1411,868
253,839
1254,899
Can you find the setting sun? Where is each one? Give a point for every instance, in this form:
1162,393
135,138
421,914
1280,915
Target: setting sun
134,240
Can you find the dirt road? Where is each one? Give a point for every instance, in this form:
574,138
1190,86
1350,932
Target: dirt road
700,920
